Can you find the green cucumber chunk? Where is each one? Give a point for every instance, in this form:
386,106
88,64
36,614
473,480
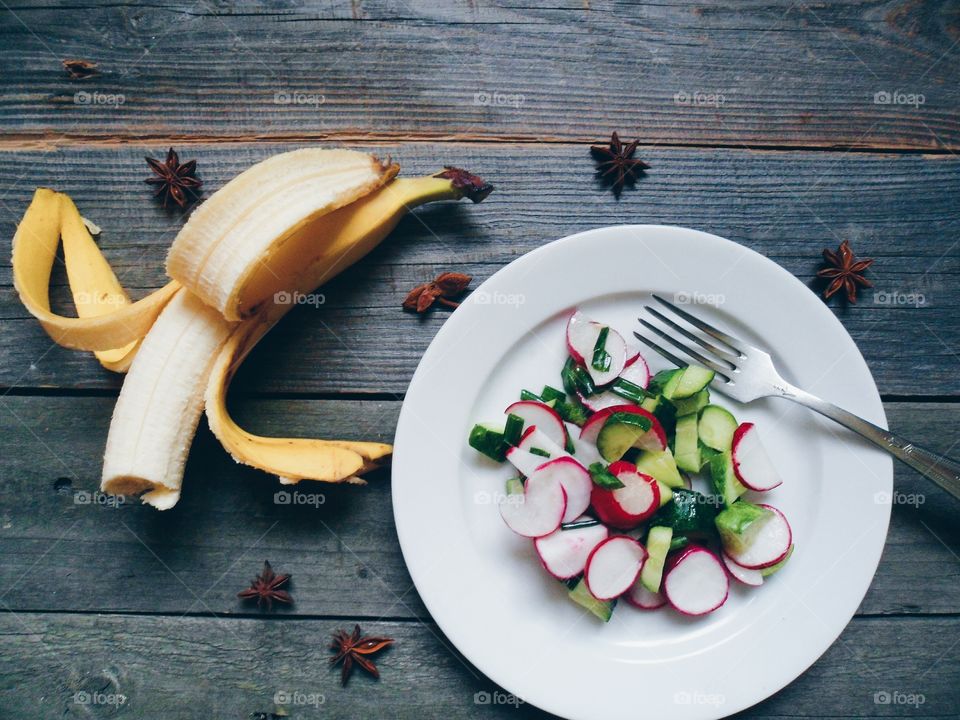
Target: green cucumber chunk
739,524
692,404
666,382
514,486
767,572
716,427
658,545
513,429
693,380
619,432
661,466
690,513
580,594
723,479
651,403
488,439
666,492
686,450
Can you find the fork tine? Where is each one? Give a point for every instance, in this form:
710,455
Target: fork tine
722,355
717,368
666,353
710,330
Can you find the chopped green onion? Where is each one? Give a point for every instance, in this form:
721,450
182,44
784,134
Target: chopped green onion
512,430
527,395
602,477
629,390
551,393
601,358
539,451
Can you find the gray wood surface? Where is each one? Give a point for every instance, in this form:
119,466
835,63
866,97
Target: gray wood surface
771,72
899,209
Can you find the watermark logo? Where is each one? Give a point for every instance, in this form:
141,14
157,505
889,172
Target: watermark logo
900,498
686,697
484,98
898,97
482,297
84,497
699,98
296,697
684,297
483,497
897,697
83,697
298,298
104,298
288,97
283,497
900,299
496,698
84,97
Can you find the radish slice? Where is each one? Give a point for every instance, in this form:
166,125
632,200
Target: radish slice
640,597
696,582
613,566
601,401
544,417
630,505
533,438
636,371
582,335
770,545
538,510
744,575
564,553
585,453
525,461
575,480
654,439
751,463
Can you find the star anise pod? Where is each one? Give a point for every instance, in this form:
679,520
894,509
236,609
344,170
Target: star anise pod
265,588
441,289
353,649
174,181
616,164
80,69
844,271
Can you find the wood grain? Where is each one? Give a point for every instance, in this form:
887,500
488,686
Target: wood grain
896,208
772,73
66,549
54,666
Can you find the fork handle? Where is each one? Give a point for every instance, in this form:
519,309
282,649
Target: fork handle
942,470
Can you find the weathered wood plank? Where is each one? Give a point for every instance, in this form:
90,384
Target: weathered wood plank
760,73
897,208
343,553
72,665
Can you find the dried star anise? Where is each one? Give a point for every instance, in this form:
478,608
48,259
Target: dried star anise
265,588
616,165
174,181
80,69
443,287
844,271
353,648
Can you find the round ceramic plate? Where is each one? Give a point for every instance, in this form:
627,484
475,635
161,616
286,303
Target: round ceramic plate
483,584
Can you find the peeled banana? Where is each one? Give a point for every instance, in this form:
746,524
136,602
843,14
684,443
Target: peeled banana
284,226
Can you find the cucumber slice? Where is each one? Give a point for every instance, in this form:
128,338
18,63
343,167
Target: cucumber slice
767,572
619,432
666,493
686,449
725,483
660,466
666,382
693,379
690,513
651,403
488,439
579,593
716,427
739,524
658,545
692,404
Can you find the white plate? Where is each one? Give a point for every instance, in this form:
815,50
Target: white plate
483,584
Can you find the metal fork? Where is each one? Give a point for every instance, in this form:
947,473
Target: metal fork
745,373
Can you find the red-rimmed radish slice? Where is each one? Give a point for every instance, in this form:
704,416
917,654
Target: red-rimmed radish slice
744,575
537,510
582,336
751,463
601,401
696,582
630,505
575,481
637,371
584,452
640,597
544,417
654,439
534,440
770,545
613,566
524,461
564,553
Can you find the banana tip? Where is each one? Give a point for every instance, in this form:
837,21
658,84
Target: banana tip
472,186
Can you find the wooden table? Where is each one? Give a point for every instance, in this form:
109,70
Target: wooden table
786,127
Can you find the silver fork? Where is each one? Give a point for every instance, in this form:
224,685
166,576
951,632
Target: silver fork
745,373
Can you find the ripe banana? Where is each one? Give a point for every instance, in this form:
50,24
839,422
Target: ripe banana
285,225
